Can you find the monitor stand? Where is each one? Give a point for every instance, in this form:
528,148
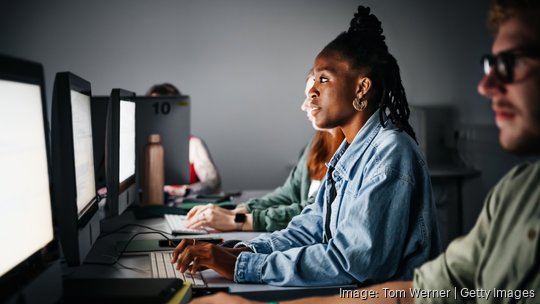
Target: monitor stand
45,288
127,198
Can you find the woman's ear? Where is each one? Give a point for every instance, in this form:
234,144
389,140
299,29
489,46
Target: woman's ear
363,86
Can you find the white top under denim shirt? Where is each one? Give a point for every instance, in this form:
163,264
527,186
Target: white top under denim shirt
383,222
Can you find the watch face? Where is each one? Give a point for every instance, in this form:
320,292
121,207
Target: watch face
239,218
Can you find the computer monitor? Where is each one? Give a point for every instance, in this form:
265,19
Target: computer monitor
99,106
434,127
75,194
121,187
168,116
29,266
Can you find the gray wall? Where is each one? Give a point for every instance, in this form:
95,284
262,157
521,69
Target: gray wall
243,62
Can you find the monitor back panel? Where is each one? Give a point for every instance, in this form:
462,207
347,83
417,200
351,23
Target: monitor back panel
99,107
169,117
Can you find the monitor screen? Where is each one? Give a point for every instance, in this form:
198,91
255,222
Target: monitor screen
24,179
127,140
82,148
120,152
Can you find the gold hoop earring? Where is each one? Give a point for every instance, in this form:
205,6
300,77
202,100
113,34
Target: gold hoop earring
360,104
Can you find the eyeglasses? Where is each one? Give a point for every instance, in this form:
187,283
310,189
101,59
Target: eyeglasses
504,62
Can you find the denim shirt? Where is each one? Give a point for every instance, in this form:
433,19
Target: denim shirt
382,219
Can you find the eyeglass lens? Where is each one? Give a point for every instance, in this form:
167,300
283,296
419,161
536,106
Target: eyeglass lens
503,64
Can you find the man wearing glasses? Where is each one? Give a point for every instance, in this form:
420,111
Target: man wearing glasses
499,260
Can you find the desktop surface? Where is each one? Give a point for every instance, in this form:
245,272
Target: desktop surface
137,264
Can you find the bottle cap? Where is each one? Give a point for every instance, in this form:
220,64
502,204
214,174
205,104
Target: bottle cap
154,138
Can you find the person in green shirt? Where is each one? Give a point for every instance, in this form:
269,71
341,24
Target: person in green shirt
275,210
498,261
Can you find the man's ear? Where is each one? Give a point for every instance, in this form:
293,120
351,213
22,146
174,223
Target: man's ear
363,86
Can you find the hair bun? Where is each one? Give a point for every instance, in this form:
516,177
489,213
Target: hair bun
365,23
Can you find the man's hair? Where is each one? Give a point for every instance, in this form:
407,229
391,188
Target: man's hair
163,89
502,10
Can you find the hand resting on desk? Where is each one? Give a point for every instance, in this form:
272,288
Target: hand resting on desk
195,256
215,217
176,190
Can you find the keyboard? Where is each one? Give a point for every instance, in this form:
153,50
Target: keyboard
177,223
162,268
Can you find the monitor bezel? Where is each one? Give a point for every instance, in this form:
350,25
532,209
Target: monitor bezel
24,71
64,156
100,108
77,231
114,186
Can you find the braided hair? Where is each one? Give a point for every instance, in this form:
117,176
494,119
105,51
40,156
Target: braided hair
363,44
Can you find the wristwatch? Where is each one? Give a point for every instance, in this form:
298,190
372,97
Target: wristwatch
239,219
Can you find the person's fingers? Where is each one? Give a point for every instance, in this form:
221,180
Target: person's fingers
201,267
174,189
200,224
202,220
184,260
199,210
196,256
193,212
195,266
180,248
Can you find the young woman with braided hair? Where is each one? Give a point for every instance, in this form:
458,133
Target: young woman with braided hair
275,210
373,219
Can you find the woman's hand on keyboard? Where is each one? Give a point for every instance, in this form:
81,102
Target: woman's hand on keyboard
196,255
211,216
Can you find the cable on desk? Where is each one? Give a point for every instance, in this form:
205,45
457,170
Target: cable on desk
133,225
124,266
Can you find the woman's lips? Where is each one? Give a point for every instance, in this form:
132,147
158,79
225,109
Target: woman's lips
314,110
311,112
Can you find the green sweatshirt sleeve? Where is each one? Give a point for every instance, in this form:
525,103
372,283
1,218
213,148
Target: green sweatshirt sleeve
275,210
278,217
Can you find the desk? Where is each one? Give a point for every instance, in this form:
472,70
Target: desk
249,194
137,265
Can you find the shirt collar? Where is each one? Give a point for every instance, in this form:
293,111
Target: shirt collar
343,160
